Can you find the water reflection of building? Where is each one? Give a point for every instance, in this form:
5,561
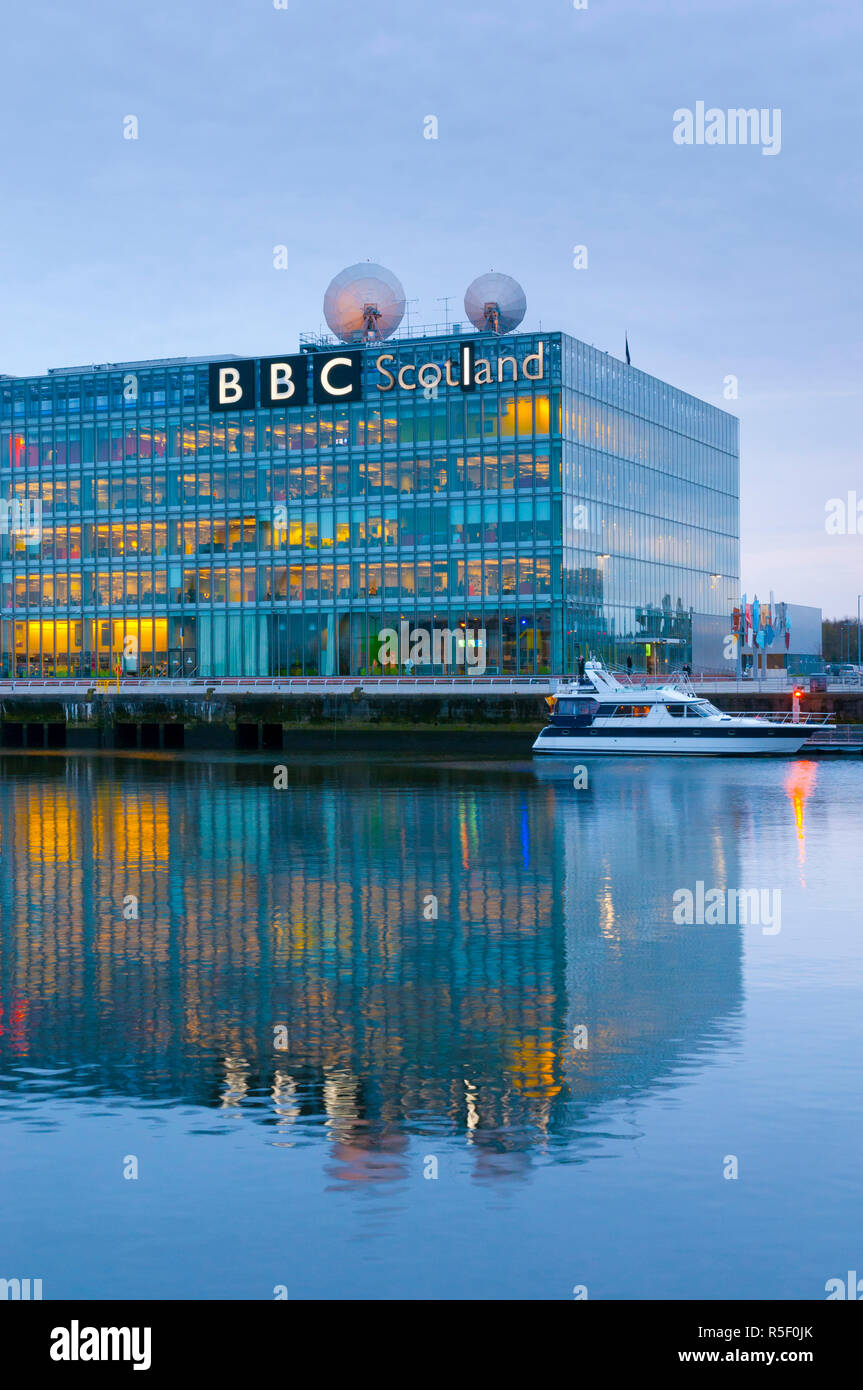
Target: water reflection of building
646,991
303,909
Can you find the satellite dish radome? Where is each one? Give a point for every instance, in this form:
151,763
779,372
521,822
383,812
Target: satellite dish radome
364,303
495,303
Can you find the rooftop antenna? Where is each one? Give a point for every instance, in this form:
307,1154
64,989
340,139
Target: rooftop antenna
444,299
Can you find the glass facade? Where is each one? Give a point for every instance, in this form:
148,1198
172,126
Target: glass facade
583,507
651,516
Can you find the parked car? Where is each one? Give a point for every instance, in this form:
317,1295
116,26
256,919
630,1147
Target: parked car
848,674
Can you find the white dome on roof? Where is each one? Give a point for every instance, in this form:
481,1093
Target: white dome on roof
364,302
495,303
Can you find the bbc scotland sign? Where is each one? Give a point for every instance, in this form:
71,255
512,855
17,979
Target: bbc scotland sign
337,377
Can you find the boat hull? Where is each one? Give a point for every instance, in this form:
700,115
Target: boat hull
780,740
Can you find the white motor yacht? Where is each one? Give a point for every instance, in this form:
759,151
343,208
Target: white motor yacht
600,714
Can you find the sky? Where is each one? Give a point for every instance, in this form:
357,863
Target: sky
303,127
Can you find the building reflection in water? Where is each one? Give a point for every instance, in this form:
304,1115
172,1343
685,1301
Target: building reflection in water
303,910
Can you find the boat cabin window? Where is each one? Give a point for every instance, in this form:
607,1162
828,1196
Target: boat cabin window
605,711
575,707
699,711
677,711
630,711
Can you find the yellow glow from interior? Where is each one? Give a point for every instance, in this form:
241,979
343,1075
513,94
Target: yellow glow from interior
144,630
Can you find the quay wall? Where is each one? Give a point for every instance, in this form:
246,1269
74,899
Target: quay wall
218,719
251,722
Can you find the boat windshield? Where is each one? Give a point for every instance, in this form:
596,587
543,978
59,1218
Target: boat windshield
704,709
576,707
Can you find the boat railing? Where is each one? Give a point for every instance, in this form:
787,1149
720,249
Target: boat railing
682,681
640,680
781,716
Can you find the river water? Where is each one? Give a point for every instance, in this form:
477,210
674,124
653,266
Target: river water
428,1028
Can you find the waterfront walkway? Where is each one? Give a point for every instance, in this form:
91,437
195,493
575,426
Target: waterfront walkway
80,687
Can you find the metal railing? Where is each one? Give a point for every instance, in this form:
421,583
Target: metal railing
781,716
539,685
639,680
404,333
288,684
840,734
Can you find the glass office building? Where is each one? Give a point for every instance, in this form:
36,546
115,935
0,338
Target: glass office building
547,498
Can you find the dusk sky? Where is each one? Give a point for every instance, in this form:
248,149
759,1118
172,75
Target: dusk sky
304,127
